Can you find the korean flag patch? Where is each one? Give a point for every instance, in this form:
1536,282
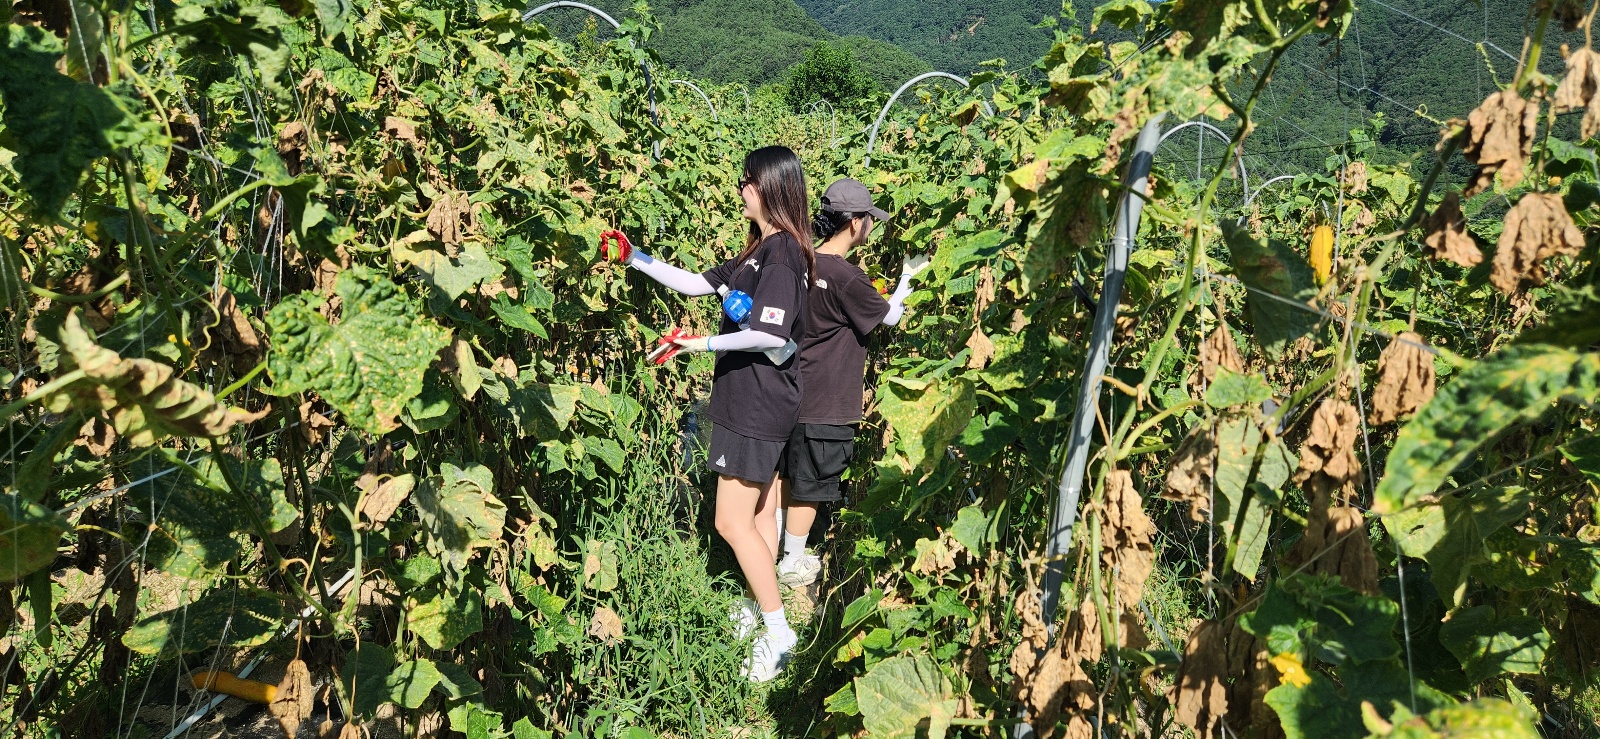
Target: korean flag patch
772,315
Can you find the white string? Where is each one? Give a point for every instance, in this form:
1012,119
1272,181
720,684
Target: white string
1309,309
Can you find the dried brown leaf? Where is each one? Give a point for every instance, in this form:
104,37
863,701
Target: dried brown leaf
1189,475
983,296
1219,352
1447,234
293,702
505,367
982,349
1578,90
293,144
1405,379
1499,139
402,130
1200,693
606,626
97,436
384,497
1126,541
450,219
1328,459
1537,228
1355,178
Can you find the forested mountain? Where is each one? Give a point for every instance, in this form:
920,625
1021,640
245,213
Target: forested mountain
952,35
754,42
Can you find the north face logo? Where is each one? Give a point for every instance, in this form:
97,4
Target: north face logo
722,461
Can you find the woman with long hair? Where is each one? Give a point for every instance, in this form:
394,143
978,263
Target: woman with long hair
755,393
845,308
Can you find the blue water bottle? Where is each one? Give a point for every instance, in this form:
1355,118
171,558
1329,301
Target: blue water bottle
736,305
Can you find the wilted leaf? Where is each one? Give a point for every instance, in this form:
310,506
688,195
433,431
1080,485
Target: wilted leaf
380,500
1220,353
370,364
600,565
1537,228
1578,89
1499,138
1200,692
1189,475
606,626
1447,234
294,700
1405,378
926,416
460,514
1328,461
1126,545
452,275
144,399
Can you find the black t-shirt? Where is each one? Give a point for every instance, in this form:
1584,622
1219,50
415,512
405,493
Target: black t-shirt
845,307
749,394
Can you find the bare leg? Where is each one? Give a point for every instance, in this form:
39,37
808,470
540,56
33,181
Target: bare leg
737,503
767,515
798,517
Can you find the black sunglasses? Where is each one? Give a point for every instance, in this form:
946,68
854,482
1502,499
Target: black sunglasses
746,180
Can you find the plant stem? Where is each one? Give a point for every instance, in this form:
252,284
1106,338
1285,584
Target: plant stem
44,390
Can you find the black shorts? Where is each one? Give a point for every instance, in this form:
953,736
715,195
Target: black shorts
815,459
736,455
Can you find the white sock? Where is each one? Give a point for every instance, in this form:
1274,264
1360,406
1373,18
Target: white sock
794,545
778,625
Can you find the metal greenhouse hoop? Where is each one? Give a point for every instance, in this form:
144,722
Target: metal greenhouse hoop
655,118
700,92
872,139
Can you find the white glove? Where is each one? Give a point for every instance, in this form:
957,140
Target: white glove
914,264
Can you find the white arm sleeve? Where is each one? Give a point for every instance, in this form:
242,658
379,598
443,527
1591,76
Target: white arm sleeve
675,278
747,340
897,302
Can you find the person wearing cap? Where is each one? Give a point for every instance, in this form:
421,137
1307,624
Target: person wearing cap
844,309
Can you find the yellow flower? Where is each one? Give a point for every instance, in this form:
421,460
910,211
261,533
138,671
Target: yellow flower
1291,672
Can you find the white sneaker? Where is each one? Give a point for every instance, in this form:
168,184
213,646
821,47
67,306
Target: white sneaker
745,615
769,655
799,571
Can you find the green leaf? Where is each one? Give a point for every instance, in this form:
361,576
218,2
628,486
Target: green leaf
1516,385
1124,14
460,514
446,619
456,681
197,519
453,276
367,367
523,729
365,677
1450,536
334,15
411,682
898,694
1490,644
843,701
1484,717
223,617
926,415
517,316
971,528
29,535
1585,455
58,126
1316,711
600,565
1231,390
433,409
606,450
1280,284
1302,612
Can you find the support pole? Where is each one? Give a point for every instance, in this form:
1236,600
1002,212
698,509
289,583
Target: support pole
1136,182
701,92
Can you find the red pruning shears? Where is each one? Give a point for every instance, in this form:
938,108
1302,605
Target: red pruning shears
623,246
667,347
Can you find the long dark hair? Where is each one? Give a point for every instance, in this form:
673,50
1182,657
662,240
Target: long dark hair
781,180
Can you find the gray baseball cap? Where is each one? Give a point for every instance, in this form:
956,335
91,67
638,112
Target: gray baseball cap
850,196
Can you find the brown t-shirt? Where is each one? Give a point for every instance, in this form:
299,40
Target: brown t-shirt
845,307
749,394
